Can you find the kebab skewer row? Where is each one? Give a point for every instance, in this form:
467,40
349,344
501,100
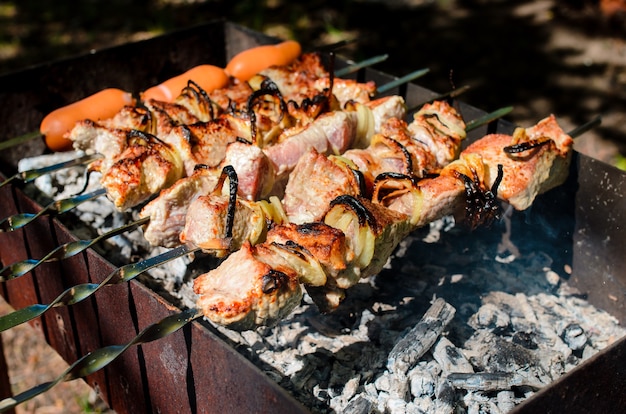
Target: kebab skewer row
168,211
224,241
315,181
145,143
129,168
206,142
99,358
148,165
258,285
132,116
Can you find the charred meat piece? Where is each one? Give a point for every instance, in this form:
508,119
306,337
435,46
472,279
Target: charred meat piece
206,224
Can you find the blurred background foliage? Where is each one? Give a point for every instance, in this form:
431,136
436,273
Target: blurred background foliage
541,56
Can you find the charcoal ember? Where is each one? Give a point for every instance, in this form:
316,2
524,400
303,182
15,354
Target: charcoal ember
417,341
450,358
423,379
490,316
359,405
506,401
574,336
489,381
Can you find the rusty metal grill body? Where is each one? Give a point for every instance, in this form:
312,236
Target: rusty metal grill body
194,370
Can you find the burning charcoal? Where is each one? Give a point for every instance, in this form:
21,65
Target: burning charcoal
395,386
490,316
574,336
410,348
446,398
395,405
489,381
423,379
450,357
359,405
421,405
524,339
506,401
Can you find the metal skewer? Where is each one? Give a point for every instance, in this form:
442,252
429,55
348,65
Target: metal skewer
405,79
78,293
98,359
64,251
360,65
487,118
18,221
70,249
30,175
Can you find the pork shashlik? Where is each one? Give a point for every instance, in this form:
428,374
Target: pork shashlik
315,179
199,129
260,284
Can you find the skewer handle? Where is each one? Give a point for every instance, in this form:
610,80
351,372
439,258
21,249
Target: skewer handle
18,140
64,251
360,65
18,221
405,79
78,293
30,175
98,359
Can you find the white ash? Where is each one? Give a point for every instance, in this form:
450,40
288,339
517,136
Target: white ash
517,324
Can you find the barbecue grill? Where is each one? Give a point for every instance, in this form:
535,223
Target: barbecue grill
196,370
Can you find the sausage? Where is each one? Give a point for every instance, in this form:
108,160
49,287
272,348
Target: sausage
101,105
248,63
108,102
208,77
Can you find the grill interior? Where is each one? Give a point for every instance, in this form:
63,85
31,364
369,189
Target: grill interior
200,372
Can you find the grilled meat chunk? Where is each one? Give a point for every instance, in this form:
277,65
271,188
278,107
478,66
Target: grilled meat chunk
441,128
207,224
168,211
327,244
253,287
332,132
254,170
144,168
315,181
539,162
